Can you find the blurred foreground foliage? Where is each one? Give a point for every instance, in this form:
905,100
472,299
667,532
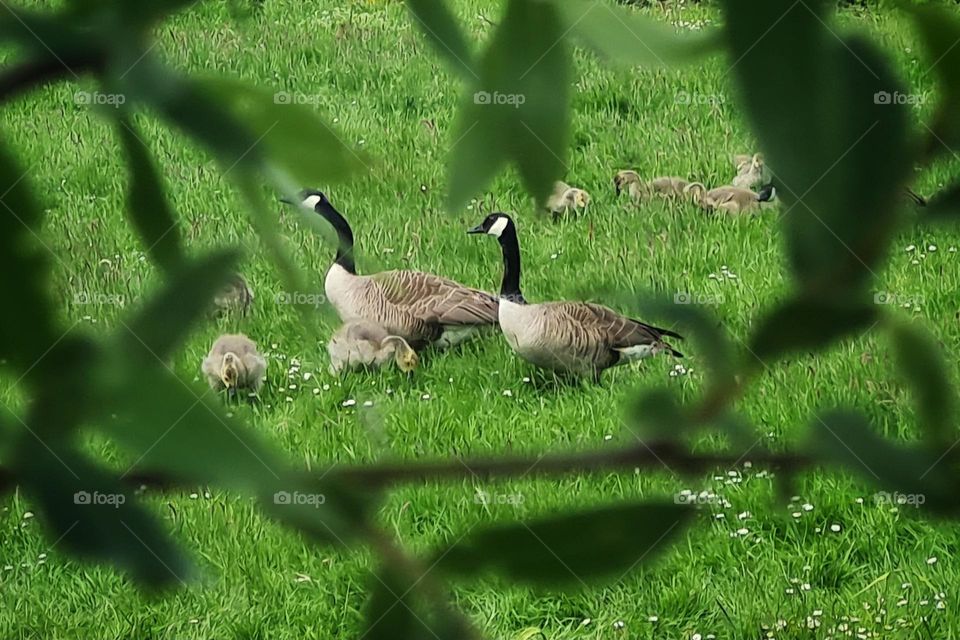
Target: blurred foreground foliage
842,157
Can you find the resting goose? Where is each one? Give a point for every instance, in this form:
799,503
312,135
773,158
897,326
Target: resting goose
419,307
566,198
234,364
363,344
569,337
664,187
729,199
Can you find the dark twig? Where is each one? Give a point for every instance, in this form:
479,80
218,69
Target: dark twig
24,76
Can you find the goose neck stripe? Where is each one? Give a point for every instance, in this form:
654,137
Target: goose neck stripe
497,228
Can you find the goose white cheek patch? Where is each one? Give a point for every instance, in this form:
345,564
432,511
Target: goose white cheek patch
310,202
497,228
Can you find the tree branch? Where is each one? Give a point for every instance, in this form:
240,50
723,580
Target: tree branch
24,76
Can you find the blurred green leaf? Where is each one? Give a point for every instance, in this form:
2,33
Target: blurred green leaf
519,108
804,324
658,417
330,510
155,331
27,332
147,206
570,548
692,320
939,29
623,36
824,109
397,608
922,364
89,513
846,438
288,134
443,31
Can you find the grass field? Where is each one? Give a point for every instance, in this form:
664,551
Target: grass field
831,564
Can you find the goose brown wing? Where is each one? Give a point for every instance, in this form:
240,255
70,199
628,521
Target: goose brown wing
436,299
616,330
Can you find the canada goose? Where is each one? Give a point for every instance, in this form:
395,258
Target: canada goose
566,198
729,199
572,337
419,307
751,171
363,344
234,364
236,294
664,187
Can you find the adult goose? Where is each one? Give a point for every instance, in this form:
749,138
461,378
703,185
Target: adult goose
421,308
570,337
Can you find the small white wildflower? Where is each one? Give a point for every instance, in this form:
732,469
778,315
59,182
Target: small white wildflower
835,528
508,393
27,515
526,379
932,560
743,531
349,403
326,387
425,396
807,506
316,391
720,516
910,248
619,624
194,496
368,403
932,248
650,619
307,375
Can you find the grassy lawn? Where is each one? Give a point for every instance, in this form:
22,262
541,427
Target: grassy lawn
831,563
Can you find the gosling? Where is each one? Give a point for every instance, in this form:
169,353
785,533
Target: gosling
235,295
729,199
362,344
663,187
565,199
751,171
234,365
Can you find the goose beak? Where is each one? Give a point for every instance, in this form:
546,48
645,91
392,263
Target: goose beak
616,186
476,229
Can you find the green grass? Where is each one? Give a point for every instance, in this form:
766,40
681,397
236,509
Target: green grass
368,70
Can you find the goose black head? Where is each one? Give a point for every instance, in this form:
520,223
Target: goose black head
308,198
767,192
494,224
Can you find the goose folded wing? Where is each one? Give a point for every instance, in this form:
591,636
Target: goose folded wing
438,300
615,329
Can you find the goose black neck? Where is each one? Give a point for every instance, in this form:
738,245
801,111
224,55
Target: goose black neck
344,235
510,285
